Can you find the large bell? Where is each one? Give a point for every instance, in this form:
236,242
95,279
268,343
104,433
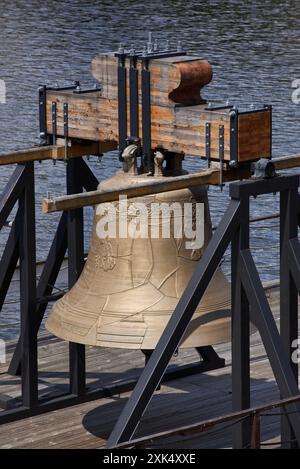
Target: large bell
129,287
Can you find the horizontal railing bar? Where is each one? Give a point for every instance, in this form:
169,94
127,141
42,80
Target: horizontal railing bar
206,425
50,152
209,176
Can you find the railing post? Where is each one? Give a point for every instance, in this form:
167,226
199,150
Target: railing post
75,265
240,331
288,294
255,431
28,292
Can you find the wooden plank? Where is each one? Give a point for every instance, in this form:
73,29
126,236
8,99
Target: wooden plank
174,128
254,135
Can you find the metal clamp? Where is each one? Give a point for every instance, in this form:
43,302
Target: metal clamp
66,129
221,153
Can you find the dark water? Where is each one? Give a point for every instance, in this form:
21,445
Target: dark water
253,46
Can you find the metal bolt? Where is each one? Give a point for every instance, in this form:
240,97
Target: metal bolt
144,53
150,44
121,48
155,47
179,46
167,44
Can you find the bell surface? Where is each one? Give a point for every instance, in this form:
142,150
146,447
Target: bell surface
129,287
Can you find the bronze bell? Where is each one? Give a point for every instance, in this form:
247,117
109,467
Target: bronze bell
129,287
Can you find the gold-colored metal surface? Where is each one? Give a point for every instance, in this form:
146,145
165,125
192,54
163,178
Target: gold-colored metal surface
129,288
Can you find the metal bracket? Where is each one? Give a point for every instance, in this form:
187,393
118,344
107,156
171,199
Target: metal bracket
221,153
146,116
233,138
54,122
207,142
122,104
66,129
134,97
43,115
219,107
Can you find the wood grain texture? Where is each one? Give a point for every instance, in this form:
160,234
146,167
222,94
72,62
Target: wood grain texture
178,112
177,128
173,80
254,135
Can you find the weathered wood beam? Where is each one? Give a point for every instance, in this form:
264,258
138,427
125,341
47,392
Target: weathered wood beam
211,176
51,152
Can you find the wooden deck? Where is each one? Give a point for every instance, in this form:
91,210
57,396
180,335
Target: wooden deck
179,402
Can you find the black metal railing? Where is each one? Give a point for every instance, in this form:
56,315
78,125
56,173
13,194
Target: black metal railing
249,303
21,246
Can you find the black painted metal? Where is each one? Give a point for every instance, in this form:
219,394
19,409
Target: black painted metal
75,266
11,193
9,258
87,177
288,293
52,265
172,335
233,137
54,122
43,115
79,90
240,331
146,117
122,104
134,97
247,295
28,291
45,285
66,129
209,355
248,301
262,317
221,153
207,142
269,108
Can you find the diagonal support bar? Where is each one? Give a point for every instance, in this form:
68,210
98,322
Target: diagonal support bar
289,203
28,292
87,177
261,316
9,258
294,261
11,193
176,327
45,285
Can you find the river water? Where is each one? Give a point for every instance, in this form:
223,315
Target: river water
253,47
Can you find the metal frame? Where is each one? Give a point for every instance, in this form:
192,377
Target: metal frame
249,302
34,300
144,57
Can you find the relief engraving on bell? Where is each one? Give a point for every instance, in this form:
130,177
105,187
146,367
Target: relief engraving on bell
104,258
130,285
